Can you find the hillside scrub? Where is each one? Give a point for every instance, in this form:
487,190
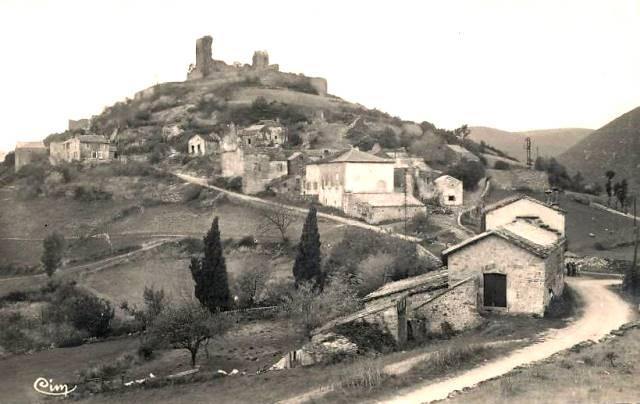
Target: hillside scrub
67,315
469,172
261,109
348,256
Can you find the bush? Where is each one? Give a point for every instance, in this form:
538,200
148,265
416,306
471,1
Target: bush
64,335
83,311
501,165
368,337
90,194
469,172
191,193
247,241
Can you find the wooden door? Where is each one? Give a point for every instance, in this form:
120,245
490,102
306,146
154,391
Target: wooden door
495,290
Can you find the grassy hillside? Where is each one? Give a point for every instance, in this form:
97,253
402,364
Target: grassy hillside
549,142
615,147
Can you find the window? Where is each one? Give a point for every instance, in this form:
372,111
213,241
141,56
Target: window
452,198
193,149
100,155
199,149
248,140
94,154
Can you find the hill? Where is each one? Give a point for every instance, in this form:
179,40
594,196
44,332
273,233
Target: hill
548,142
613,147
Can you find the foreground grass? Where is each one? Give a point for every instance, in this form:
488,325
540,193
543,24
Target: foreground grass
604,372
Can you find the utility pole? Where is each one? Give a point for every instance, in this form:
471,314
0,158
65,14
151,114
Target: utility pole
527,146
406,185
634,272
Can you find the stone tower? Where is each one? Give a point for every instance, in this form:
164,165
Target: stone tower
204,59
260,59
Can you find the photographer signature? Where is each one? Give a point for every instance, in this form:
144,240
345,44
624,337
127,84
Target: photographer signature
44,386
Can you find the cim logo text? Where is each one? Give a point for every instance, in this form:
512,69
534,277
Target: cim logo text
47,387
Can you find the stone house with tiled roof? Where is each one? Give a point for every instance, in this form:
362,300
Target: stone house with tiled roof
361,185
518,265
82,148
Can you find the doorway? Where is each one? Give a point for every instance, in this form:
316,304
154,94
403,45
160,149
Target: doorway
495,290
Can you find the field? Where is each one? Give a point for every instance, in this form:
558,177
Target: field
582,221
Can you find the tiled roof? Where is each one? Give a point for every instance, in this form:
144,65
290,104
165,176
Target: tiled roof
30,145
433,279
541,251
446,177
353,156
92,139
515,198
387,199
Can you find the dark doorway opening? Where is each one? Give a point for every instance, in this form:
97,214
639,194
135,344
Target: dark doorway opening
495,290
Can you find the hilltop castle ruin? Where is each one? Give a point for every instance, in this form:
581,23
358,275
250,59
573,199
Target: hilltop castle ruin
268,74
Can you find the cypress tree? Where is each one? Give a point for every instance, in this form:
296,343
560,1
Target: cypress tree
210,273
307,265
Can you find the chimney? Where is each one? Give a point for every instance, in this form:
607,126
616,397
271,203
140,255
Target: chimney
549,195
556,196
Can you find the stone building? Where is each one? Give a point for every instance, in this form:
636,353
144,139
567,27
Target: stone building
200,145
360,184
257,167
265,133
518,267
82,148
417,307
27,152
522,206
449,190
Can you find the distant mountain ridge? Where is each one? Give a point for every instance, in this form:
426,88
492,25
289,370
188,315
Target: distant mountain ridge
615,146
546,142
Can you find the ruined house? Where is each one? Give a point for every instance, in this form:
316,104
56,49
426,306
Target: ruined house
82,148
257,167
265,133
27,152
417,307
448,190
200,145
361,185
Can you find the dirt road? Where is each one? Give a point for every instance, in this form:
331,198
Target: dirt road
30,281
603,311
303,211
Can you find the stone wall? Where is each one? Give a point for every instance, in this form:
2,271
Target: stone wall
456,306
525,272
232,163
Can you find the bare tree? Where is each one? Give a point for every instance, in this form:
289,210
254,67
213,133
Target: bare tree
278,218
251,283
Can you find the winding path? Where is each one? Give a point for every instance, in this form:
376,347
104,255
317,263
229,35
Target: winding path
302,211
603,311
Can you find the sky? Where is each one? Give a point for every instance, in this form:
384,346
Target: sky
512,65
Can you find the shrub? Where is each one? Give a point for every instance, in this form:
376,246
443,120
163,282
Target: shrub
469,172
368,376
368,337
191,193
247,241
89,313
501,165
64,335
191,245
90,194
